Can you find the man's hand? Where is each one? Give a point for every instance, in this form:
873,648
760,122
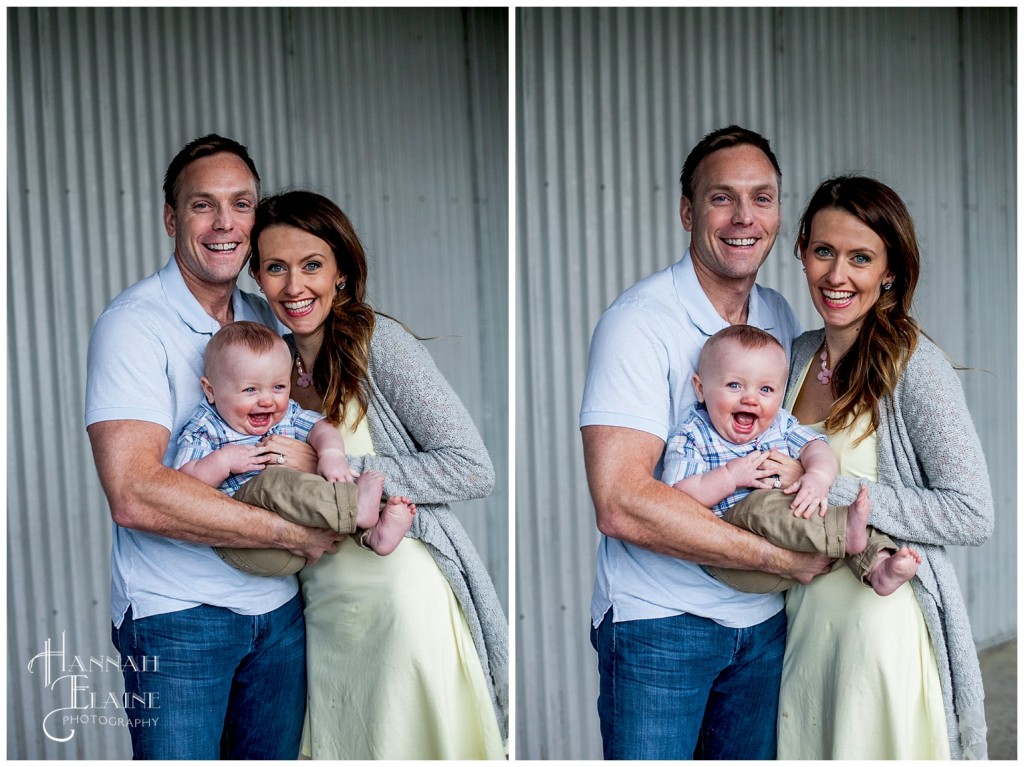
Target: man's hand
801,567
319,541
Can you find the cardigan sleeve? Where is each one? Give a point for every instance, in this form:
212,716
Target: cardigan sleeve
426,444
935,487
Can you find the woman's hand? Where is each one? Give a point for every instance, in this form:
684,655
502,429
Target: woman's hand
296,453
788,469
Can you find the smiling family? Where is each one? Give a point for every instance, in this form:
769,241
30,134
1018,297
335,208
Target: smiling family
397,647
715,435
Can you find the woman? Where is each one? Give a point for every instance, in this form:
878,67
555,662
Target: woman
407,654
869,677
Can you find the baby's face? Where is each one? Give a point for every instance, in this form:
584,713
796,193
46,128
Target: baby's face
251,391
743,389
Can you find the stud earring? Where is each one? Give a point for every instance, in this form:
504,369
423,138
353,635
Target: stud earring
887,286
341,285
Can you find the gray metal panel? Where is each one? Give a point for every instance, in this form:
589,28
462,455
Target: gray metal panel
608,103
400,115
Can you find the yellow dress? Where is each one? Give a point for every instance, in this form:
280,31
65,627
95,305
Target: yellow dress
859,678
393,673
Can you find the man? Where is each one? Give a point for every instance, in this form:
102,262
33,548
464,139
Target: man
689,667
213,657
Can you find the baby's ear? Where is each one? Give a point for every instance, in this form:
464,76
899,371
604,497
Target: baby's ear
207,389
698,387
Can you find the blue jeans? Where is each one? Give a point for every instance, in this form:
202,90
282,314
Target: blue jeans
685,687
213,684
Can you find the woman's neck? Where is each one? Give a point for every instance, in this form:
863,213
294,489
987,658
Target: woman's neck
308,347
838,342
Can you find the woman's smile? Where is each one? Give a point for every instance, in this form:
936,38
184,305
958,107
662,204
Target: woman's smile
846,264
299,308
299,275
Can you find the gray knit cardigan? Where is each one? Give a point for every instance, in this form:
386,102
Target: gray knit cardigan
429,450
933,491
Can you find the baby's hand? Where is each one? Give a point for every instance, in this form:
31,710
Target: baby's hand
239,459
332,466
745,473
811,494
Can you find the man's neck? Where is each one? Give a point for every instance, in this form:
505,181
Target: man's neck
214,298
729,297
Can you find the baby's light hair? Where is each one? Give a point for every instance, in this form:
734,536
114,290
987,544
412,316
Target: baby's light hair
747,336
259,339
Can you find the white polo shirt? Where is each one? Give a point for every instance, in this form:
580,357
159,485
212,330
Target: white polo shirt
144,363
642,358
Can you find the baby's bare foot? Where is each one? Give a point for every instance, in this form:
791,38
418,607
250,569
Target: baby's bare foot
857,516
369,488
395,521
893,570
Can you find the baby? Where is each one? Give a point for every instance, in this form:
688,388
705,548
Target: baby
246,384
714,456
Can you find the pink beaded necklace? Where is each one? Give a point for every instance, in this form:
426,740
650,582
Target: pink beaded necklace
825,376
305,379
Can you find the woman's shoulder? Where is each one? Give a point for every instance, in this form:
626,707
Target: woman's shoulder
393,344
807,343
387,330
928,369
927,357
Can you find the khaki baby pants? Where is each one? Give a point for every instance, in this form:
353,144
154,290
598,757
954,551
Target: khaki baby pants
767,513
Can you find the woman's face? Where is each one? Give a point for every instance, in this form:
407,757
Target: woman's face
846,263
299,275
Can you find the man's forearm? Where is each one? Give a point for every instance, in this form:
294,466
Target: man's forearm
174,505
633,506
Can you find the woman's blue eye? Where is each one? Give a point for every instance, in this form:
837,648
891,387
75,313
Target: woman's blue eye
823,252
274,268
860,258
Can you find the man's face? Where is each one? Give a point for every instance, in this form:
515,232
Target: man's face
735,213
212,217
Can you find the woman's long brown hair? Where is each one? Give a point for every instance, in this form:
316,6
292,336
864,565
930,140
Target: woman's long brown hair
341,365
870,369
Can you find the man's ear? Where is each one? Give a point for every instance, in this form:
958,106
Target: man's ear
170,220
207,389
686,212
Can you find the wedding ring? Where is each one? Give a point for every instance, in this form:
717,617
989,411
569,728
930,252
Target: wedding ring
777,483
280,458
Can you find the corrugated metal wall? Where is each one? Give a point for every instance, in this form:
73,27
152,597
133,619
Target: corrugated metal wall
400,115
609,102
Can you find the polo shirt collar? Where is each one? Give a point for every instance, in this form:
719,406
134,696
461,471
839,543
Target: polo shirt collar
185,304
699,307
